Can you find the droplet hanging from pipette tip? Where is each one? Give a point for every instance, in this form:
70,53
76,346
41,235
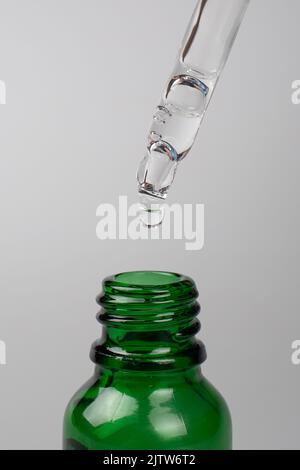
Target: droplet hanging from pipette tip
151,211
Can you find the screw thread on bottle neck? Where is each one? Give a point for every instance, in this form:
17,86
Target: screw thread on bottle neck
149,322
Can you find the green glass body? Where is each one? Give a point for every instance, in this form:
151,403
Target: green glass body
148,391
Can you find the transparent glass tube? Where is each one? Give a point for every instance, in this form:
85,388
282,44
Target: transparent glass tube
204,52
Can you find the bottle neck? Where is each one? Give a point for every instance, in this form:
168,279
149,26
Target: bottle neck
163,377
149,323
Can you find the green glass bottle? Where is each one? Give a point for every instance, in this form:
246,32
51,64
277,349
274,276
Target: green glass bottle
148,391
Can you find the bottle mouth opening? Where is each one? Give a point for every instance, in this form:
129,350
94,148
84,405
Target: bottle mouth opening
148,278
139,291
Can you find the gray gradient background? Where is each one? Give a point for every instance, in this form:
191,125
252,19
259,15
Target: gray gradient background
82,80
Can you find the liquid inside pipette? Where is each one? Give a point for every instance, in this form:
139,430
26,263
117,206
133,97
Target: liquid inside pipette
172,134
